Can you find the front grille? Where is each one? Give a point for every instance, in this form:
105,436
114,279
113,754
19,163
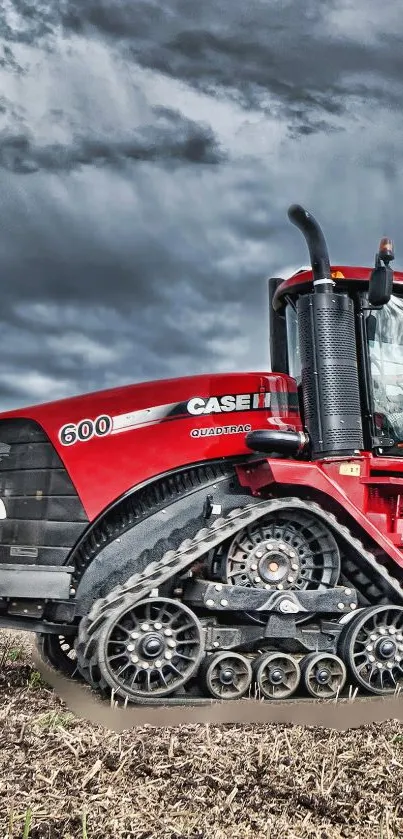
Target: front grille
45,516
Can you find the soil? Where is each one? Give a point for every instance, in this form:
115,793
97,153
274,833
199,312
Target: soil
65,778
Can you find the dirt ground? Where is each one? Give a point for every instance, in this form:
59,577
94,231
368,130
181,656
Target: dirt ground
63,778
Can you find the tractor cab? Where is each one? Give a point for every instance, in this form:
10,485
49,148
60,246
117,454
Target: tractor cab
384,338
324,322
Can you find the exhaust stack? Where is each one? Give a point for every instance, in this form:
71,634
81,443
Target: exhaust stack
318,253
327,345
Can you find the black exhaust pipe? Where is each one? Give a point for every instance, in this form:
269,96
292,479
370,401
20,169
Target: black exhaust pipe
328,354
318,253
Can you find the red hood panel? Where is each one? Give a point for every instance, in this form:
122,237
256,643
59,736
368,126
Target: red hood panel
112,440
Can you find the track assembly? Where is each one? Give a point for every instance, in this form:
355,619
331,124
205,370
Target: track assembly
145,648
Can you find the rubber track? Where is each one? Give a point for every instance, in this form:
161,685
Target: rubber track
175,562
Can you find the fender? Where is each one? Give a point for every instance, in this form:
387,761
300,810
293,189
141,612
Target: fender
143,500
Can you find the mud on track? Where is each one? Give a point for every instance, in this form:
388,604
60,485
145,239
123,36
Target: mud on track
63,776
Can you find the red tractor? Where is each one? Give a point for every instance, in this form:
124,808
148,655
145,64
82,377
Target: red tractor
224,536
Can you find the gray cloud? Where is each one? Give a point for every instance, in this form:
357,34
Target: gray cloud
148,154
171,138
309,59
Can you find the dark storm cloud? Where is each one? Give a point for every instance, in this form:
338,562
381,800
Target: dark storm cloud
148,153
284,49
8,60
172,137
293,54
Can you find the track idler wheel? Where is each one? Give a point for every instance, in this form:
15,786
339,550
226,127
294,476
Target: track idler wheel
149,650
276,675
284,550
290,550
372,647
323,674
57,652
226,675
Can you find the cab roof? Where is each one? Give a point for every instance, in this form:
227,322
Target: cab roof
344,276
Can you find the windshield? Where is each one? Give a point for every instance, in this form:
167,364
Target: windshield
385,341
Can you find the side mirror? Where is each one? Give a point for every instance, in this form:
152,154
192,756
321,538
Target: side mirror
380,286
381,279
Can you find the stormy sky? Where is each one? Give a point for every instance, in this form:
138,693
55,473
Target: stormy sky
148,154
